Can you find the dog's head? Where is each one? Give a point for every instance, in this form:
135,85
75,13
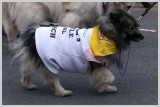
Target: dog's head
126,6
122,25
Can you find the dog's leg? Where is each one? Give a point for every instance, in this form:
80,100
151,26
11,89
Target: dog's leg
26,76
8,24
102,78
10,30
53,80
26,82
70,19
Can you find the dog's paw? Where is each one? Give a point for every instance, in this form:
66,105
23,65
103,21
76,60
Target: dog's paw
63,93
107,89
31,87
111,89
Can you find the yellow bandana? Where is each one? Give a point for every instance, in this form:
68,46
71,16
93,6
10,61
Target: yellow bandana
102,45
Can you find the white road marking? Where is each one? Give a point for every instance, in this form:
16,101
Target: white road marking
148,30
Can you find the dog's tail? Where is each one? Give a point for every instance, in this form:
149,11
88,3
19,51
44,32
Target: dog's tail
24,48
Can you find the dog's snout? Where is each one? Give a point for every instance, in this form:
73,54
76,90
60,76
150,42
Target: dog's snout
137,37
142,37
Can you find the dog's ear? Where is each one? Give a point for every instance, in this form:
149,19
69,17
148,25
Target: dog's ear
105,25
113,16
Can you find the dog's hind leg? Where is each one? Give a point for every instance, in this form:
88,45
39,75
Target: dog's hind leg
26,82
26,77
8,23
102,78
10,30
53,80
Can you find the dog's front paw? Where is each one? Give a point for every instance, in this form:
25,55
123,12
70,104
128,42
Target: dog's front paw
107,89
63,93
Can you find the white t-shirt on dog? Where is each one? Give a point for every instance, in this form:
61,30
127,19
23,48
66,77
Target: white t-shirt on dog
64,48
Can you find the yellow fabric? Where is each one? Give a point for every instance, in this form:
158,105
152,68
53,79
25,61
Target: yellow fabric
102,45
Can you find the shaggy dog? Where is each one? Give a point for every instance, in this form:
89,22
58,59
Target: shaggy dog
33,50
16,15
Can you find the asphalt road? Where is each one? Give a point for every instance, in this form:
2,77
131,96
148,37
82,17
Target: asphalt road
139,86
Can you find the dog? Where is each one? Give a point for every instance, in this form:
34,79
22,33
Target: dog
79,48
16,15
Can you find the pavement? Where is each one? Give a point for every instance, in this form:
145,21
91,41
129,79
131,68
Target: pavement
139,86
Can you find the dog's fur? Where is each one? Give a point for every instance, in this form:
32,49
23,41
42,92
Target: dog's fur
16,15
120,23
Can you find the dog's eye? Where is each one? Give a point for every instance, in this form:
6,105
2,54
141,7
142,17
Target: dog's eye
131,28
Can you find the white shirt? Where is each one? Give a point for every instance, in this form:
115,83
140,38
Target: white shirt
64,48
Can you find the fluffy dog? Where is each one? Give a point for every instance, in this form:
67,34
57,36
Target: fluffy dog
33,50
16,15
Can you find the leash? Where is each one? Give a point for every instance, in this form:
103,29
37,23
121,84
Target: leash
146,11
122,74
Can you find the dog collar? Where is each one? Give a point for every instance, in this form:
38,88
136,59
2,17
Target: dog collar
102,45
